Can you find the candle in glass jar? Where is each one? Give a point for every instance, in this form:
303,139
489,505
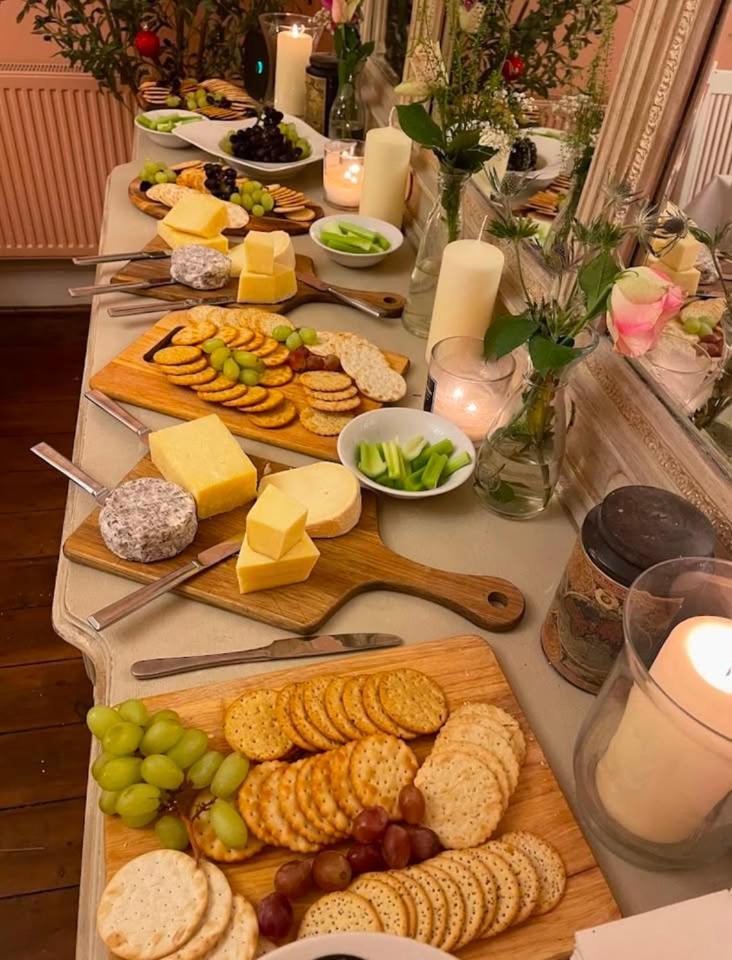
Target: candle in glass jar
665,768
466,290
294,47
342,173
385,174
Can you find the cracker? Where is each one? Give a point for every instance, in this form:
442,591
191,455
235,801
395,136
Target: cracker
525,873
293,812
221,396
269,346
336,711
277,356
339,913
256,342
248,800
371,371
174,356
413,700
207,840
376,713
437,898
380,766
239,941
333,394
324,798
463,802
266,321
183,368
477,709
207,311
335,406
276,376
473,896
273,399
328,345
341,782
324,380
353,705
283,414
487,734
227,332
251,398
308,732
243,338
456,909
508,894
460,859
177,887
395,881
305,801
273,818
314,700
220,383
250,726
548,864
284,717
386,900
485,756
323,424
215,919
194,334
424,914
193,379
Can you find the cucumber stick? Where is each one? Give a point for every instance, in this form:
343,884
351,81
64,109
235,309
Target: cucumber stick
413,466
432,472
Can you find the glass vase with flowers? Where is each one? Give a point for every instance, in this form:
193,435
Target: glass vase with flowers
347,120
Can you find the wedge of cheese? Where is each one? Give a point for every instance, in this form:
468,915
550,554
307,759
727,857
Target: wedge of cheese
201,214
284,253
681,256
275,523
688,279
267,288
260,252
176,238
202,457
256,571
329,491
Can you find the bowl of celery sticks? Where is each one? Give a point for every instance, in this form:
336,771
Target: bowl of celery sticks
356,241
406,453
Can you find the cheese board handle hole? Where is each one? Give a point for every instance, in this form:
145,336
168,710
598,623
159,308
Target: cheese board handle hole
497,599
390,300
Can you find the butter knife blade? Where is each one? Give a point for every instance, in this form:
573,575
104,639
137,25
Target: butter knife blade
311,281
100,289
287,648
164,306
139,598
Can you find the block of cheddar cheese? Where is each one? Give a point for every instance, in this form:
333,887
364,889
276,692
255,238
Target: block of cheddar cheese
266,288
329,491
256,571
284,253
687,279
681,256
201,214
203,457
176,238
275,523
259,251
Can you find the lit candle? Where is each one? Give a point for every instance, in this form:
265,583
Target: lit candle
663,771
466,291
342,178
294,47
385,174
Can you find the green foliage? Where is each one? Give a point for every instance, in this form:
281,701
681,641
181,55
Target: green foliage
350,51
508,332
596,278
548,356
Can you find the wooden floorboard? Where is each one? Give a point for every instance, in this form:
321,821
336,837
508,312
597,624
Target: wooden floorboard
40,926
26,636
58,692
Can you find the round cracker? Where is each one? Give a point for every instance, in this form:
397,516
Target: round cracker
456,909
423,906
335,406
193,379
525,872
243,338
221,383
324,424
274,819
380,766
183,368
324,380
221,396
463,802
251,398
251,727
276,376
346,798
269,346
487,734
396,881
333,395
376,713
152,905
413,700
336,710
209,843
276,357
239,941
266,321
284,717
386,900
174,356
308,732
227,332
437,898
472,890
508,894
489,711
485,878
256,341
194,333
283,414
353,705
486,756
215,919
314,701
548,864
292,811
273,399
324,798
248,800
342,912
306,802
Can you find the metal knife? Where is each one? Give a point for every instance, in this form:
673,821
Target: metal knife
139,598
82,479
102,288
288,648
312,281
119,413
167,307
114,257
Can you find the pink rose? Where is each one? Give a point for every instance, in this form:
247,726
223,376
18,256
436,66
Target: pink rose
338,11
642,302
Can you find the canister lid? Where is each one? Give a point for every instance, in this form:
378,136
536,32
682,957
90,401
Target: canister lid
324,63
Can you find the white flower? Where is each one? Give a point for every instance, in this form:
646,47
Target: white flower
414,89
491,136
470,18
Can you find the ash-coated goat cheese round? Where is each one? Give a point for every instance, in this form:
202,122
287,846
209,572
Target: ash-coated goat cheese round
199,267
148,519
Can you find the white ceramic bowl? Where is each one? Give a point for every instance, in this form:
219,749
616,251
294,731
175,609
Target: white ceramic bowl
358,260
376,426
170,140
364,946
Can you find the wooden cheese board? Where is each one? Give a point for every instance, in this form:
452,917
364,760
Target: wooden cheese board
467,669
351,564
131,378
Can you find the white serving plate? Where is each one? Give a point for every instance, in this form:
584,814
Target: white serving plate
548,157
208,137
358,260
360,946
170,140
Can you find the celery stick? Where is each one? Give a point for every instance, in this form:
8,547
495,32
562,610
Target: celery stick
421,461
412,448
344,244
370,461
146,122
382,242
457,462
443,446
363,232
393,462
432,471
413,482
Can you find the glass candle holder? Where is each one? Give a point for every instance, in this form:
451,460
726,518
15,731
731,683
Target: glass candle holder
291,38
343,172
464,387
653,762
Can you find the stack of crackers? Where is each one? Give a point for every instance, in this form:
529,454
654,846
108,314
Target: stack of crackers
164,904
452,899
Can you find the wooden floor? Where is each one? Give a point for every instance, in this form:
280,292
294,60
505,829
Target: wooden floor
44,744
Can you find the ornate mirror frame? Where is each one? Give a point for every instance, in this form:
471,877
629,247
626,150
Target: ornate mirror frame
622,433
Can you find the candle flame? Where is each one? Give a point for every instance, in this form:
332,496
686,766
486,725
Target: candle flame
710,650
297,29
457,393
353,173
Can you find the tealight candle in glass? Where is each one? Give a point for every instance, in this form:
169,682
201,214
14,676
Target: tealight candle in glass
343,172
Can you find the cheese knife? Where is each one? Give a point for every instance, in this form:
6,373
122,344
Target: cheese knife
312,281
99,289
288,648
119,413
167,306
114,257
82,479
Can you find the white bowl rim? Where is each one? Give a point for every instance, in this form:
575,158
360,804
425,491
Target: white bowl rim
159,112
385,228
343,941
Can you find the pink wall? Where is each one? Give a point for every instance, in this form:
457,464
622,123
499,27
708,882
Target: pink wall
17,43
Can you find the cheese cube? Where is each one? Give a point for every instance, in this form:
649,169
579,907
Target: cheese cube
284,253
259,252
202,457
275,523
255,571
176,238
198,213
682,255
261,288
688,280
329,491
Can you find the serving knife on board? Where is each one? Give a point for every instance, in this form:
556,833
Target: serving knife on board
288,648
114,257
162,306
310,280
119,413
99,289
80,477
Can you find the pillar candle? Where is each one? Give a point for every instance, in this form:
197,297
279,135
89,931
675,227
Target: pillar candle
293,56
466,291
386,169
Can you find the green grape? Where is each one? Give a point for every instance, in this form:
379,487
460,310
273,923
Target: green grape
308,336
172,101
246,201
230,775
201,98
138,799
171,833
246,359
108,802
257,195
161,771
228,825
122,739
164,715
249,377
705,328
191,103
135,711
119,772
230,369
160,737
281,333
255,185
304,147
161,177
191,747
293,341
235,198
267,202
208,347
258,210
203,770
246,187
99,764
141,820
219,357
172,176
100,718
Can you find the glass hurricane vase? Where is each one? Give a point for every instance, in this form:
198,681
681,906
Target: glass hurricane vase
443,225
347,118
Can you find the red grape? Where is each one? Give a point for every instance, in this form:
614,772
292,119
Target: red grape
314,362
411,804
396,846
370,824
332,362
365,857
274,914
294,878
424,843
331,871
298,358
